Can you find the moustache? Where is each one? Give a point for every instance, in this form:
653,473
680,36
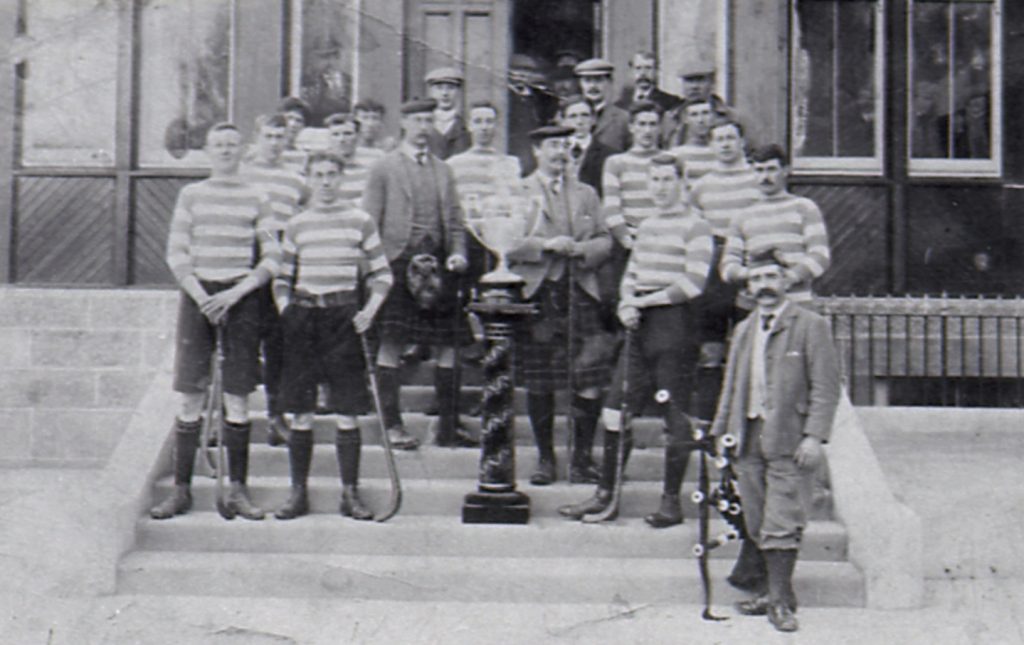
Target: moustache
766,291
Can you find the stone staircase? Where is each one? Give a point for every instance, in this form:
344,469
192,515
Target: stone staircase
425,553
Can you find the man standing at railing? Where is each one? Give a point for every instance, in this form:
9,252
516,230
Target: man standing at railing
779,398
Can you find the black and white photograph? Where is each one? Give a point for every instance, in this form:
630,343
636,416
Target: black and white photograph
511,321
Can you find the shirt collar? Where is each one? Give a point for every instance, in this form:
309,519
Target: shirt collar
775,313
410,150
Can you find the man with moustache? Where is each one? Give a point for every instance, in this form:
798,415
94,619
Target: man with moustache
586,154
612,122
412,197
644,66
221,249
565,229
667,270
779,399
450,135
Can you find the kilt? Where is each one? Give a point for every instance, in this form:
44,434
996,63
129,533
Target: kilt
542,344
400,319
321,346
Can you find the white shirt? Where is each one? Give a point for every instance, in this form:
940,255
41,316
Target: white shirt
764,324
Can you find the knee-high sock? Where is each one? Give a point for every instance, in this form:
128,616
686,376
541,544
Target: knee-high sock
541,408
348,448
300,455
389,383
586,412
236,440
186,442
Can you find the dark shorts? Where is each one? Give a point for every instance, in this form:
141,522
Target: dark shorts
321,346
272,345
196,340
663,356
400,318
543,344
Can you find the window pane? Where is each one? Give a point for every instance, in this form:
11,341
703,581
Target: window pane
834,79
329,32
184,77
70,61
950,80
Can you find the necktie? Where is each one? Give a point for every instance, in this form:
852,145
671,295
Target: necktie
421,158
556,186
766,321
576,151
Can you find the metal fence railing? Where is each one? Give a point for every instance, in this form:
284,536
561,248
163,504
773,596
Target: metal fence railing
932,351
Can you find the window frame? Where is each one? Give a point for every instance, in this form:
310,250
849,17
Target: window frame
944,167
294,34
873,166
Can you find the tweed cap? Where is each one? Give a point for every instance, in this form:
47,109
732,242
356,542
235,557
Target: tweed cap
414,106
594,67
765,258
550,132
444,75
696,68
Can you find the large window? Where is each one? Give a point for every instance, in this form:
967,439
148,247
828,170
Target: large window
837,54
66,52
186,49
955,87
325,42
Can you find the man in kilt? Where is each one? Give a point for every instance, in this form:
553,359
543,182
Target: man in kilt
667,270
412,197
559,261
317,293
221,249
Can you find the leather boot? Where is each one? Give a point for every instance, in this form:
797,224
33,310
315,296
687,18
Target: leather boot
750,572
300,456
276,429
236,439
541,409
602,497
780,564
186,442
670,513
450,433
348,446
583,470
389,383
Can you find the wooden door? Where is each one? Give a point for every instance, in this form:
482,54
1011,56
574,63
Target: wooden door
471,35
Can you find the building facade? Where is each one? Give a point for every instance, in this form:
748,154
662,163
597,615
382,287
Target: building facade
899,114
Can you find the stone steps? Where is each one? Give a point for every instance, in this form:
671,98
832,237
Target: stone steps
460,578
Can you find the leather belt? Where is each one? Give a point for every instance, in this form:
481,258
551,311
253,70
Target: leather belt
323,300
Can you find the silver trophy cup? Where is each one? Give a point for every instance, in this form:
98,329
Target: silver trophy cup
499,223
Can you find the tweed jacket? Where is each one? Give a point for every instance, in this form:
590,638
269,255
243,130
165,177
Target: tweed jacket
591,167
612,128
660,97
534,264
801,382
388,199
452,142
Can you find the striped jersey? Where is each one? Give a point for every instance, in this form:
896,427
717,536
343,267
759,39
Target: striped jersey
724,194
481,173
696,160
284,187
356,172
627,197
324,248
789,223
295,160
214,232
671,256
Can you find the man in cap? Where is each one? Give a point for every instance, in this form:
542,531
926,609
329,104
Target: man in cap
612,122
644,67
567,243
667,271
412,196
779,399
698,81
586,154
450,135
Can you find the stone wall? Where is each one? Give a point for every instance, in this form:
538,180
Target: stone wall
74,365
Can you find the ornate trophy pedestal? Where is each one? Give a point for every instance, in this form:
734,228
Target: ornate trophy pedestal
496,500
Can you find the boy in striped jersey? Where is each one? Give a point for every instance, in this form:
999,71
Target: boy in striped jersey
285,188
626,197
695,155
217,226
327,248
667,270
791,224
343,134
296,113
724,195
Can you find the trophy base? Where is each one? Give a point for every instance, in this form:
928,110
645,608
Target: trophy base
501,278
496,508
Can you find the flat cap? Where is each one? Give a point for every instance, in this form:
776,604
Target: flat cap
414,106
550,132
444,75
594,67
696,68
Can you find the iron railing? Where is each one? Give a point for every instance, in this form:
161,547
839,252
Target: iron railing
935,351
